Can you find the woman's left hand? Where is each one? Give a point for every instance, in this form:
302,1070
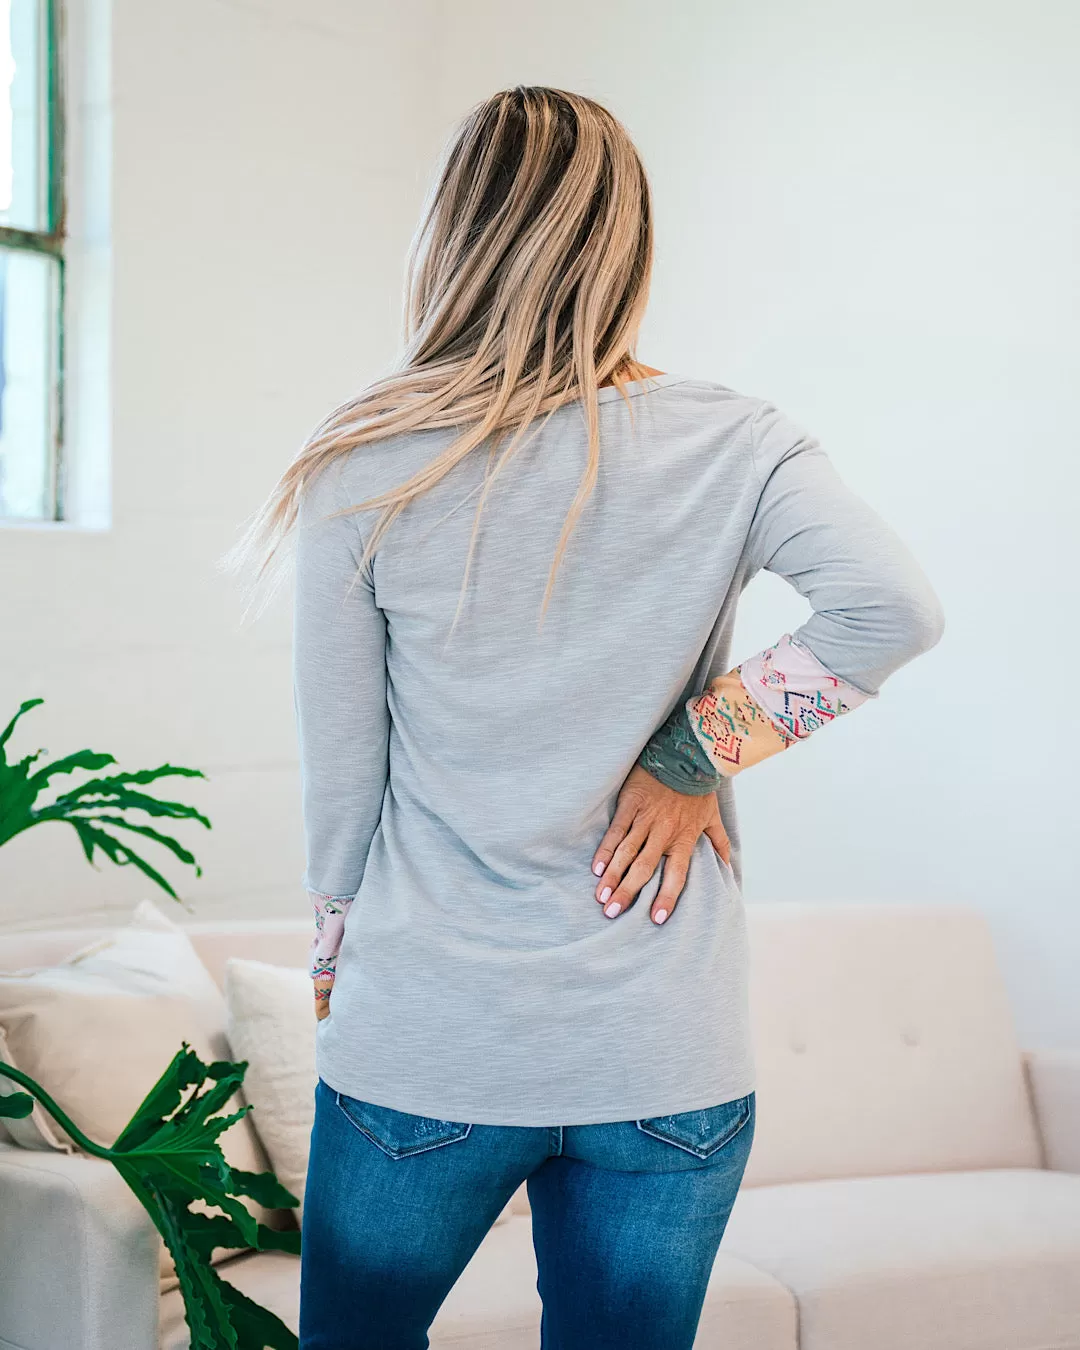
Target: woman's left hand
653,822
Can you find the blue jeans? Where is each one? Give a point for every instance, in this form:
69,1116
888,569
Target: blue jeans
626,1221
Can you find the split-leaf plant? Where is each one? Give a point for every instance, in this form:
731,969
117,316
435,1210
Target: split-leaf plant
95,808
170,1157
169,1153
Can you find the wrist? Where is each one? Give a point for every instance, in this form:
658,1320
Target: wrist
323,986
330,911
675,757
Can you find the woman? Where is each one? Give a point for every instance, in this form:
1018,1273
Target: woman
519,726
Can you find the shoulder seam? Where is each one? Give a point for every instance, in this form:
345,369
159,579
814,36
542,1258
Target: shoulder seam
343,501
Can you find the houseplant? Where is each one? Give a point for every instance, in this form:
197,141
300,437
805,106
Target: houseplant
95,808
170,1157
169,1152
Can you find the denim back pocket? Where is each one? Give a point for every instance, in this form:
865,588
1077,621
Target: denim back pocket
703,1132
399,1133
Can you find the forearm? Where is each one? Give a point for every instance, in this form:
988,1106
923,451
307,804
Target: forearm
873,611
330,913
339,827
761,707
339,668
339,830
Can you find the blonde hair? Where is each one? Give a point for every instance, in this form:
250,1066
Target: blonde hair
526,284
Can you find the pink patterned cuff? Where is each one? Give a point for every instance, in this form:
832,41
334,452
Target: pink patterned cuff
778,697
330,914
794,688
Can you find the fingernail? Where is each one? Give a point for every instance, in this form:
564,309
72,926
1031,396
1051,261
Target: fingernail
660,916
598,869
613,909
604,895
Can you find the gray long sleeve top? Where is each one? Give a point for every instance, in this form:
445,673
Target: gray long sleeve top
458,790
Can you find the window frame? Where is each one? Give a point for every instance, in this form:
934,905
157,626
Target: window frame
51,242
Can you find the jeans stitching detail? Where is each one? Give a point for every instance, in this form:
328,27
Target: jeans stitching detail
656,1133
400,1153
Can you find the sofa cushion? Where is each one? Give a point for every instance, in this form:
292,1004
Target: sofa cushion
947,1261
746,1309
98,1028
495,1306
271,1024
884,1044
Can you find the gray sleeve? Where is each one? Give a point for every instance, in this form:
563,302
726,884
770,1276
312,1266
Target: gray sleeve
874,609
339,679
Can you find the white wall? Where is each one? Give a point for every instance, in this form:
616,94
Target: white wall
864,214
868,214
266,176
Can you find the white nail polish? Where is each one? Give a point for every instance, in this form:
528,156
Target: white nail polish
604,895
660,916
613,909
598,869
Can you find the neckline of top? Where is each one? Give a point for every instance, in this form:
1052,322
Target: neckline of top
635,387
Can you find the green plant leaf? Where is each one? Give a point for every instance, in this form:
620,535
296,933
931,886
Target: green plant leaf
208,1233
205,1309
5,735
185,1070
256,1327
169,1153
170,1156
124,799
142,777
279,1240
15,1105
91,837
148,832
95,807
16,796
81,759
264,1188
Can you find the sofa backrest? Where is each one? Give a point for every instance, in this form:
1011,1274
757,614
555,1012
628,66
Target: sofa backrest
279,942
883,1035
884,1043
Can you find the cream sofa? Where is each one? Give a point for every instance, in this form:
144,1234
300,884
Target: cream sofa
914,1183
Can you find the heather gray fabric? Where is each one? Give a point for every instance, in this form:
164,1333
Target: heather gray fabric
459,790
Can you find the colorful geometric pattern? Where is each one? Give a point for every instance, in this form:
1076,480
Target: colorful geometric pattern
796,690
778,697
733,729
330,913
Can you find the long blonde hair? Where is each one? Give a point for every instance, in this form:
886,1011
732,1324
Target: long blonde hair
526,285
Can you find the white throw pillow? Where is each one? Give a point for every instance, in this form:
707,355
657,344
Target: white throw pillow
33,1131
271,1024
99,1029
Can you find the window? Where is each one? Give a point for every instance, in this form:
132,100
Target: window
31,260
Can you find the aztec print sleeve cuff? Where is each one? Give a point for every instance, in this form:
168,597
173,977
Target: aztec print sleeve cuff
330,914
780,696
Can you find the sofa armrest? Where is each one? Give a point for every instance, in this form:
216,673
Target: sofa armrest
78,1256
1054,1081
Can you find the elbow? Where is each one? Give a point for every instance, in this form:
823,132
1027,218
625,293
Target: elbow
918,620
864,645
